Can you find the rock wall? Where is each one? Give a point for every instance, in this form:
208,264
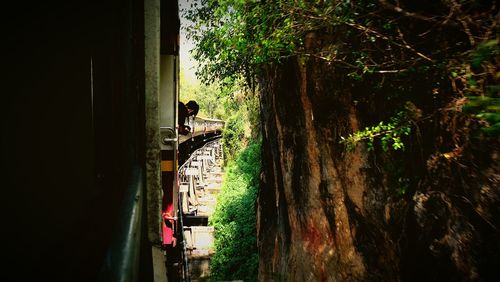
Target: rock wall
328,214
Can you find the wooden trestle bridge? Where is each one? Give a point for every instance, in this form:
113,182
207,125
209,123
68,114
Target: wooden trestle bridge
200,179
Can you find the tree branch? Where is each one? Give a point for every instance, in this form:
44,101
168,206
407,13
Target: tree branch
406,13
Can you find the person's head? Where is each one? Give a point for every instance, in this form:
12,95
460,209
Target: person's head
192,108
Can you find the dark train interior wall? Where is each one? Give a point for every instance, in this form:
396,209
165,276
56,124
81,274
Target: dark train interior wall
72,127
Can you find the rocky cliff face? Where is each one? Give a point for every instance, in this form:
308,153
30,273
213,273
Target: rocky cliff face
329,214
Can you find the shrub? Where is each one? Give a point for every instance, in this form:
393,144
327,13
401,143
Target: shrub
234,219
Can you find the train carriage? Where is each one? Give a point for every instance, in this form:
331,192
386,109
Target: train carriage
89,144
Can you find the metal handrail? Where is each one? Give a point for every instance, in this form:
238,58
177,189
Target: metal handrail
122,259
183,242
193,155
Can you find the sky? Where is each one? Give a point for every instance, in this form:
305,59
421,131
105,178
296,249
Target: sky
187,63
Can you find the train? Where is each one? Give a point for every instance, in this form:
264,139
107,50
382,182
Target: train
90,149
203,131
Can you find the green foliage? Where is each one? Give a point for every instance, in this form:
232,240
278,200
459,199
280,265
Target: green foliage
482,90
234,220
486,109
402,187
484,52
369,39
214,99
232,103
398,180
233,135
390,133
206,96
234,38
